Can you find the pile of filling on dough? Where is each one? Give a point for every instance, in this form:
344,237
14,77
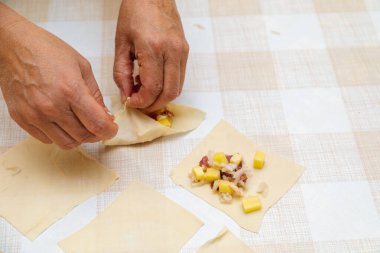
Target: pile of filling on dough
224,173
228,176
163,116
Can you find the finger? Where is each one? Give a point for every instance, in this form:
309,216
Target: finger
94,91
93,116
151,76
72,126
58,135
92,85
38,134
32,130
172,79
123,70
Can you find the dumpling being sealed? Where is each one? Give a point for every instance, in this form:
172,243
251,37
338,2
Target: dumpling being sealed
137,127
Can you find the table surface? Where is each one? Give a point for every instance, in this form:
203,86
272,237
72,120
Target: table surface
299,77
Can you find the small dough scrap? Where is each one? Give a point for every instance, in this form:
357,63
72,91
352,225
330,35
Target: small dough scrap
279,174
139,220
263,189
225,242
40,183
137,127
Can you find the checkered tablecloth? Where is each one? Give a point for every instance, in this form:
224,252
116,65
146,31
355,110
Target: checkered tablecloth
299,77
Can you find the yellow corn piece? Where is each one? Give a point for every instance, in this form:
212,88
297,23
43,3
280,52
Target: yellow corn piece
198,173
224,186
236,158
251,204
219,158
212,174
165,121
259,160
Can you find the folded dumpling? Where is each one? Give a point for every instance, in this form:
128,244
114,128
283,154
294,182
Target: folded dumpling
137,127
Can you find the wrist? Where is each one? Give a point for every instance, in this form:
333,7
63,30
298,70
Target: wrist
162,4
8,19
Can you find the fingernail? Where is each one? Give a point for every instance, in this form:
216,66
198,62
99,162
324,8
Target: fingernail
109,113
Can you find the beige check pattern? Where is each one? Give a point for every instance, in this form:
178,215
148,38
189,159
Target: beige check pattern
299,77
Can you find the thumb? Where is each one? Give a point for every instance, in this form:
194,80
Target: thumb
123,71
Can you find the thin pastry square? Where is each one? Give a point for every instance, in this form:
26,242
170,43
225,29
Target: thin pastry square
139,220
40,183
266,185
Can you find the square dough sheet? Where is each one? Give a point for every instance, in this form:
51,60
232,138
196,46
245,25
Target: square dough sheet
40,183
273,181
137,127
225,242
139,220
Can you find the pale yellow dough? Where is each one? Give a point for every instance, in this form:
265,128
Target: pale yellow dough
278,175
40,183
225,242
139,220
137,127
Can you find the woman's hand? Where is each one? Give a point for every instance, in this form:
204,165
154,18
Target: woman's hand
151,32
49,88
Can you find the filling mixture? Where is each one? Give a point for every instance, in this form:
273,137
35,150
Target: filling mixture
227,175
163,116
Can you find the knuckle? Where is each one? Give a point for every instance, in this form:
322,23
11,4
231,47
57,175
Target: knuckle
156,89
118,77
47,108
69,90
86,137
155,45
86,65
140,102
33,117
186,47
176,45
179,44
97,95
98,127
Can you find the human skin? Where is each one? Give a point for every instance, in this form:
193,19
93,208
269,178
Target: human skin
151,32
49,88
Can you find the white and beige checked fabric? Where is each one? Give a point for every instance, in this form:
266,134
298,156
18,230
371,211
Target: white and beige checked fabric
300,77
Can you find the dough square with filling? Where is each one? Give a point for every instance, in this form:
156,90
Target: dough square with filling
40,183
269,183
225,242
139,220
137,127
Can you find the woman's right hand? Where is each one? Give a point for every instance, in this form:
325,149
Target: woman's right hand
49,88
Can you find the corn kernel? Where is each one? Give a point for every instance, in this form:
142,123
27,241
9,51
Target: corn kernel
236,158
198,173
225,186
259,160
220,158
212,174
251,204
165,121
